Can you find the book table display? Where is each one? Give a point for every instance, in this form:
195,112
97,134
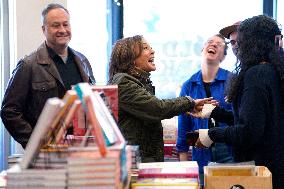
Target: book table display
96,156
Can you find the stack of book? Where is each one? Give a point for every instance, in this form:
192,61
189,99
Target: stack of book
167,175
37,178
50,159
136,160
170,130
99,158
92,172
170,153
88,168
14,159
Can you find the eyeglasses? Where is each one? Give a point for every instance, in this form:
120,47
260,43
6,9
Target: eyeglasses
218,44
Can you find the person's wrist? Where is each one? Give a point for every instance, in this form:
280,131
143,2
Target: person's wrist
204,137
192,103
207,110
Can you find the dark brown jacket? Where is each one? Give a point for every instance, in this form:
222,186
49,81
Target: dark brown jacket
34,80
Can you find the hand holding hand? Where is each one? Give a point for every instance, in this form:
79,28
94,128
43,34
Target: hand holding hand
199,103
199,106
207,110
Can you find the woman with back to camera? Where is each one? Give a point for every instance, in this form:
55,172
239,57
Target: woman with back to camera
140,111
257,94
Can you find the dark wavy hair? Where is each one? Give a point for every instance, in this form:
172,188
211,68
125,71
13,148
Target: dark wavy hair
256,44
123,54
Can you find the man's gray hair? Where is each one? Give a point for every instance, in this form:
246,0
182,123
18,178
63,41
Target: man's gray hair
50,7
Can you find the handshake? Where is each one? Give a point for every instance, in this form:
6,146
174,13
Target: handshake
203,107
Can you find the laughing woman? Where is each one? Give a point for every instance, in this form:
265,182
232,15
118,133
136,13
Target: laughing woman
140,111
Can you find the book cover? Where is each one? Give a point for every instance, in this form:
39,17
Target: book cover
182,169
108,122
109,94
105,119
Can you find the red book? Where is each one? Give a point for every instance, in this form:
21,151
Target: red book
182,169
109,94
79,122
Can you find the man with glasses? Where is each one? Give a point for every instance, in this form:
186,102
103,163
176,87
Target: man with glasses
230,32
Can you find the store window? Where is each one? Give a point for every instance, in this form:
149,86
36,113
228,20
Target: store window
177,30
4,76
89,33
280,13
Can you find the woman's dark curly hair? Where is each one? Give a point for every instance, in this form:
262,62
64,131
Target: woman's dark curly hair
124,52
256,44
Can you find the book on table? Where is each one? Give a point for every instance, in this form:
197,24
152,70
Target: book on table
181,169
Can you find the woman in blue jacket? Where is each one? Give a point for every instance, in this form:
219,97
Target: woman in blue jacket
209,81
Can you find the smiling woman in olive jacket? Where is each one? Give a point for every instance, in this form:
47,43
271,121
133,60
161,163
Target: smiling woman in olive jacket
140,111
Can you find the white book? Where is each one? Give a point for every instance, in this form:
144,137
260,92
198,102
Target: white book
107,118
104,117
49,112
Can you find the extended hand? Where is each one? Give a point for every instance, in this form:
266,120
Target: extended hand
199,103
205,113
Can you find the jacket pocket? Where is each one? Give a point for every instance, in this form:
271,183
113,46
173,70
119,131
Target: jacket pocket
43,86
41,91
